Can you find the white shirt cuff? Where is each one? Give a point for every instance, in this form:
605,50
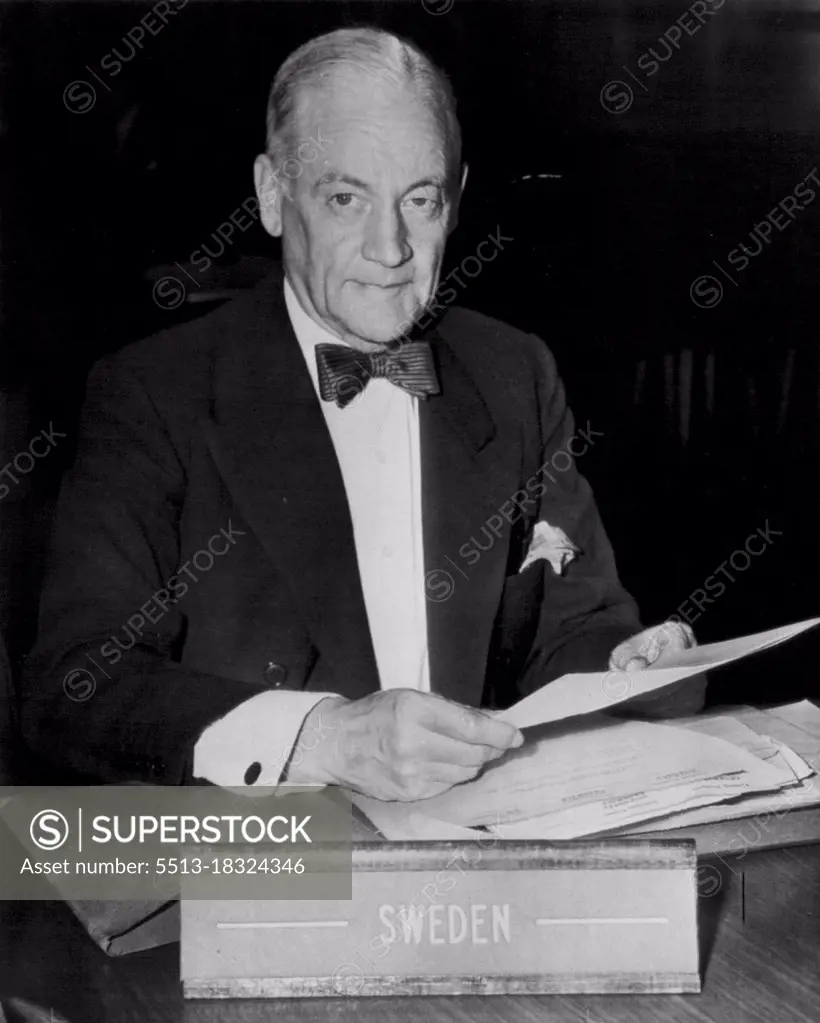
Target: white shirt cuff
261,731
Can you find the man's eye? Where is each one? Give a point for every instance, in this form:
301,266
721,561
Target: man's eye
342,199
424,203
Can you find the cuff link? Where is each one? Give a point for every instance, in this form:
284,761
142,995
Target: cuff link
275,674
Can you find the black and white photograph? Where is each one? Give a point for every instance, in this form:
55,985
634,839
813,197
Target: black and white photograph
409,511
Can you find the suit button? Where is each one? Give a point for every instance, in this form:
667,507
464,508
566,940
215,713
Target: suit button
275,674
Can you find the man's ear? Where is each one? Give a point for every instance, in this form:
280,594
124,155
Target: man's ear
269,194
456,202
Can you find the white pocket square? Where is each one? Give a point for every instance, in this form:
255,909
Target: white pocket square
553,544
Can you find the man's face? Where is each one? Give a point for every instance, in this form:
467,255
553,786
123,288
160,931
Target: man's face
364,223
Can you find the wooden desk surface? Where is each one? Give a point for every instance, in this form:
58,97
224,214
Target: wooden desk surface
761,969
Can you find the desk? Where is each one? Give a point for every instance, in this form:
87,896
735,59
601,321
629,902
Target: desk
764,969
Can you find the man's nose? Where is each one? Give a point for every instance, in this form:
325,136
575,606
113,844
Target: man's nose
386,239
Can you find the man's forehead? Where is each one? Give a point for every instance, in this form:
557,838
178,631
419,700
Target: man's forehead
349,88
393,125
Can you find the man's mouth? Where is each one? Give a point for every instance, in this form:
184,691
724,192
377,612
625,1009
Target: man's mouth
384,287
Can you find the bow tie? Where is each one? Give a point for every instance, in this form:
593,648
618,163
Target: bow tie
344,372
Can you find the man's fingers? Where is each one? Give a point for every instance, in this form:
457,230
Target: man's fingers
437,778
636,664
648,647
437,748
630,656
452,773
471,726
677,635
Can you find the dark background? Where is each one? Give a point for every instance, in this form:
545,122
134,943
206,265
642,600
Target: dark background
709,415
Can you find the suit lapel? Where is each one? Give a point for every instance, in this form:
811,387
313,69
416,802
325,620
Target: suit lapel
272,447
468,472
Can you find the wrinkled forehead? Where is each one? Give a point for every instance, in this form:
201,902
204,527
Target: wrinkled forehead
368,123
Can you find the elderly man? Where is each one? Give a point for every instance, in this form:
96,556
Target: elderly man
334,508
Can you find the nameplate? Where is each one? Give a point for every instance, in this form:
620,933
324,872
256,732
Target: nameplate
436,918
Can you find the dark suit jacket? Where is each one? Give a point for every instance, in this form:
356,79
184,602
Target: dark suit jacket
215,426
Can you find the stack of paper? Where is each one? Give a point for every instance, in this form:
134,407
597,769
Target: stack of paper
603,776
800,722
595,775
727,763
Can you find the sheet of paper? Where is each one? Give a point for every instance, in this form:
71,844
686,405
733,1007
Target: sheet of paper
804,715
603,762
585,693
796,763
632,812
795,724
399,824
722,726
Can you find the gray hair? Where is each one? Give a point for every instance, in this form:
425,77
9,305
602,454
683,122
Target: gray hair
371,50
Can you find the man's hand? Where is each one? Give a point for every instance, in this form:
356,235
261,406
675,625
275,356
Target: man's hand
400,744
657,646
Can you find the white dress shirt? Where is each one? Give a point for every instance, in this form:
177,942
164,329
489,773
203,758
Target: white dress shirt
376,439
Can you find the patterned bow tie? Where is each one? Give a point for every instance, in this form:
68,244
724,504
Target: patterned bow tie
344,372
